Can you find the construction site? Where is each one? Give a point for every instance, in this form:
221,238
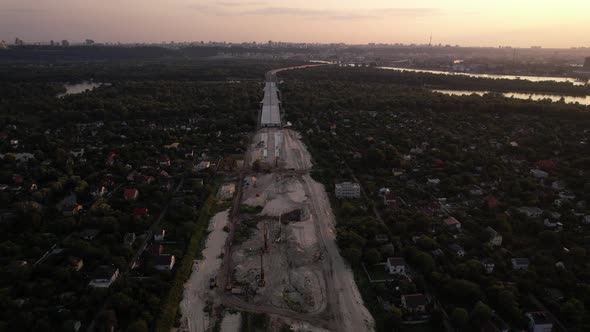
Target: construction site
279,264
280,257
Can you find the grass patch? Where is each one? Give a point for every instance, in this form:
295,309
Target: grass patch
377,272
426,327
250,209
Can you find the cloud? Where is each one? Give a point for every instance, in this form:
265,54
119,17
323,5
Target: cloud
290,11
240,4
409,11
23,10
343,14
255,8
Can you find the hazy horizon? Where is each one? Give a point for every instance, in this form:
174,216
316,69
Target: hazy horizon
466,23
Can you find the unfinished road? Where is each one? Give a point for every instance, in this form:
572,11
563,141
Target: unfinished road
306,259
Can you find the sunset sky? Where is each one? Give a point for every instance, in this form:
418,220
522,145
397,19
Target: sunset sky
523,23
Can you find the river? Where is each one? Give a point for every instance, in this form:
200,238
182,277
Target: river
493,76
585,100
72,89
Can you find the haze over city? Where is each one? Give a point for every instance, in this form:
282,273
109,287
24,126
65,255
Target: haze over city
522,23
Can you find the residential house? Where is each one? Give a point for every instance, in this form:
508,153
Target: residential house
164,262
347,190
130,194
166,182
69,205
226,191
476,191
73,326
495,324
530,212
133,175
381,238
546,165
520,263
457,250
202,165
156,249
146,179
164,160
433,181
111,159
437,253
8,216
452,224
491,202
141,212
104,277
556,226
540,321
76,263
390,200
414,303
159,235
494,238
18,179
129,239
488,265
396,265
77,152
398,171
383,191
89,234
558,185
539,174
98,191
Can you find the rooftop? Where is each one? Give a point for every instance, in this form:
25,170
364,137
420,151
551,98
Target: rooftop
414,300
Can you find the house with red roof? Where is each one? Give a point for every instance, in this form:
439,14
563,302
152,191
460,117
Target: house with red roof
546,165
164,262
141,212
164,160
452,224
491,202
390,200
130,194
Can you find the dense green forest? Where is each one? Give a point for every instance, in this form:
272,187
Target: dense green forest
468,157
30,54
434,81
66,166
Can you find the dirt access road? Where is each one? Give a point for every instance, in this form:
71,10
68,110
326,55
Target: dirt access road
196,290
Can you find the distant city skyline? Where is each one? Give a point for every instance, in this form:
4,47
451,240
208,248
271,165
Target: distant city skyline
524,23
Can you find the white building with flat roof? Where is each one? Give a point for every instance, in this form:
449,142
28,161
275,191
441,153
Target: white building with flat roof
348,190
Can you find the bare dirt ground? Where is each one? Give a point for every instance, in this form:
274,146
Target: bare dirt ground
196,289
303,269
350,310
283,144
293,274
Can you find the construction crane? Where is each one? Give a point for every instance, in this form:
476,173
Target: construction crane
265,231
278,239
228,286
261,281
